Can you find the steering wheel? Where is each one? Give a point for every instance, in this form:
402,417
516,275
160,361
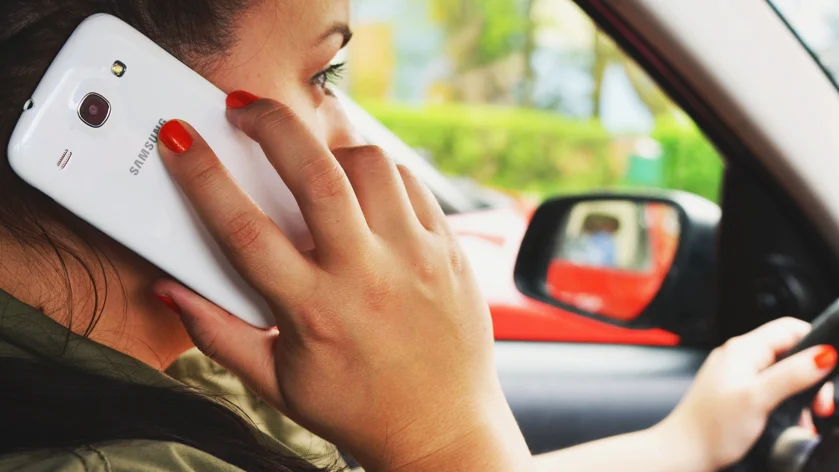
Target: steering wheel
784,447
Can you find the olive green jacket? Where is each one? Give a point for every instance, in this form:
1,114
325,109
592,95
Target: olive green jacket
27,333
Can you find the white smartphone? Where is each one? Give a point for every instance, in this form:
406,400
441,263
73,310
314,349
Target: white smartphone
88,139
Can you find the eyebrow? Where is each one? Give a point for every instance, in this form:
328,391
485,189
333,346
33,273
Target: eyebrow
339,28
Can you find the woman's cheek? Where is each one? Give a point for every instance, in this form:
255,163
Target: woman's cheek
301,98
339,130
309,114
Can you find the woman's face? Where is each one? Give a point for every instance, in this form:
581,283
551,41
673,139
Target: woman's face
284,51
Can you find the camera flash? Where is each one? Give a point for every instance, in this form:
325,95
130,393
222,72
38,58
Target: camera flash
118,69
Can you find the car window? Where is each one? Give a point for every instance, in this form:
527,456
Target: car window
816,23
525,99
532,103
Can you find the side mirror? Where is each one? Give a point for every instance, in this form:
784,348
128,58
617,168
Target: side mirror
637,261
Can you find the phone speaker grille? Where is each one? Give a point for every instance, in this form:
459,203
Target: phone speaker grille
65,159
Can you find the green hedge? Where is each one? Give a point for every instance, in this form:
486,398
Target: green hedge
691,162
529,151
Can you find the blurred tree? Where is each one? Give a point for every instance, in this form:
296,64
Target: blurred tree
606,53
603,55
529,49
483,34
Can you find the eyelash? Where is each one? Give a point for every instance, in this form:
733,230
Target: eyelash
328,76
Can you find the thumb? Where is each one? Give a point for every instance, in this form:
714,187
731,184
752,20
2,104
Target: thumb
244,350
797,373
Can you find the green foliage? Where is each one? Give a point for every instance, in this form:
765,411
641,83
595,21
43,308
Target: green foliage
691,162
529,151
503,31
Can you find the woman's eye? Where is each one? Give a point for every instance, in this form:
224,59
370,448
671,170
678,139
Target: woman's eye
328,76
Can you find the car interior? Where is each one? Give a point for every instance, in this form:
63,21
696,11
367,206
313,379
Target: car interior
771,257
767,251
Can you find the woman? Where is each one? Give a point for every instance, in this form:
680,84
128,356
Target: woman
384,344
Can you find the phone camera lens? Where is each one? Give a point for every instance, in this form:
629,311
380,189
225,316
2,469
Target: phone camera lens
94,110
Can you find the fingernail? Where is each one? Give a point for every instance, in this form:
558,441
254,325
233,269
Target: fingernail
170,303
831,410
175,137
826,358
240,99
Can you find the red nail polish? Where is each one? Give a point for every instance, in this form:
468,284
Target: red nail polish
831,410
170,303
175,137
826,358
240,99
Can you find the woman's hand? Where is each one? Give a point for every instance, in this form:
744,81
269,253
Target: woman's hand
726,410
385,343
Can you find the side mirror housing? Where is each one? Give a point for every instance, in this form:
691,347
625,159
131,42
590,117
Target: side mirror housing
639,261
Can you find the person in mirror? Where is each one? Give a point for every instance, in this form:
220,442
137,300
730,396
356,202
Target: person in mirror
384,308
595,246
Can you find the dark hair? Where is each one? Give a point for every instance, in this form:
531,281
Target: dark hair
601,222
44,405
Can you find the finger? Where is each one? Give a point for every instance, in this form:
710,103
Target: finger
806,422
824,406
379,189
796,373
253,243
313,175
245,351
763,346
425,204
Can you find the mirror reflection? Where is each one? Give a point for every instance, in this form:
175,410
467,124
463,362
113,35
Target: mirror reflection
611,256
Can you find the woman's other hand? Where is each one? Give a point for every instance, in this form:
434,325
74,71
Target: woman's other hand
726,410
385,342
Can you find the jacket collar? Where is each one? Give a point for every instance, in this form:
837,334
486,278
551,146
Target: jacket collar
27,333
